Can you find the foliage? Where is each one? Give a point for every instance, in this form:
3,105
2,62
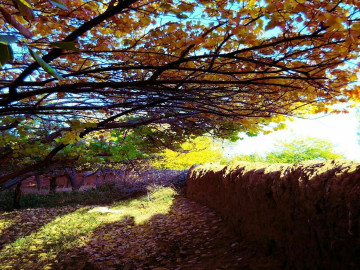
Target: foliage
295,151
197,151
168,68
251,158
303,149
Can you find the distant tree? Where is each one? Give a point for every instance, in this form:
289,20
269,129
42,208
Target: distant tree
303,149
197,151
251,158
295,151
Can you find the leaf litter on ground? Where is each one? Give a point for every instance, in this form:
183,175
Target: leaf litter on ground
162,230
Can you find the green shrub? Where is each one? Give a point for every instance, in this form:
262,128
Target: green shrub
105,194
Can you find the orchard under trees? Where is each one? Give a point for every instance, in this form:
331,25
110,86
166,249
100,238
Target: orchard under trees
163,71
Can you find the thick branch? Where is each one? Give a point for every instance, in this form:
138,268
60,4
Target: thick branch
47,160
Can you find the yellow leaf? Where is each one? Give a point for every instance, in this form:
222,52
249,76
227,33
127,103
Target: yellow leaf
353,77
145,20
199,40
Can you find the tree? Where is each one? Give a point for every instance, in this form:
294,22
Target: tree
297,150
197,151
250,158
174,68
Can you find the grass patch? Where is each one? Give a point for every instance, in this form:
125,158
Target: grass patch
40,249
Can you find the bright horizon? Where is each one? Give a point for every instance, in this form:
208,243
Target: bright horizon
338,129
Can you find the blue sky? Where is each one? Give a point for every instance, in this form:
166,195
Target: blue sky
340,129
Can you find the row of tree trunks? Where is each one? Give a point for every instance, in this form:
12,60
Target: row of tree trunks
71,176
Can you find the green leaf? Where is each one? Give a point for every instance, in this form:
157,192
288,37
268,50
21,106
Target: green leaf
59,4
67,45
6,39
45,66
6,54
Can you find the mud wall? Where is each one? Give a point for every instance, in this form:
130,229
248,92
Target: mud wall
63,181
120,178
307,214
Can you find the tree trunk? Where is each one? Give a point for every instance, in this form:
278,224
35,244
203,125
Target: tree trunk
98,181
52,184
17,196
82,181
38,182
72,178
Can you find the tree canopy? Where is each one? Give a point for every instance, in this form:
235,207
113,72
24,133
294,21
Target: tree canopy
296,150
165,69
198,151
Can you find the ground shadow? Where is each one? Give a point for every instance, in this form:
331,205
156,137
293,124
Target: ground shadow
18,224
187,236
190,236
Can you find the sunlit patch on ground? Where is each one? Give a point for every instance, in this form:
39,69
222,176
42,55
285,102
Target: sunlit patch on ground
41,248
161,230
5,222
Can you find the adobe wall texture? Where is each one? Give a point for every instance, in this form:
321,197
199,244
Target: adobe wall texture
307,213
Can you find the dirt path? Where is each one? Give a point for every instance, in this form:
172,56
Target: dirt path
190,236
